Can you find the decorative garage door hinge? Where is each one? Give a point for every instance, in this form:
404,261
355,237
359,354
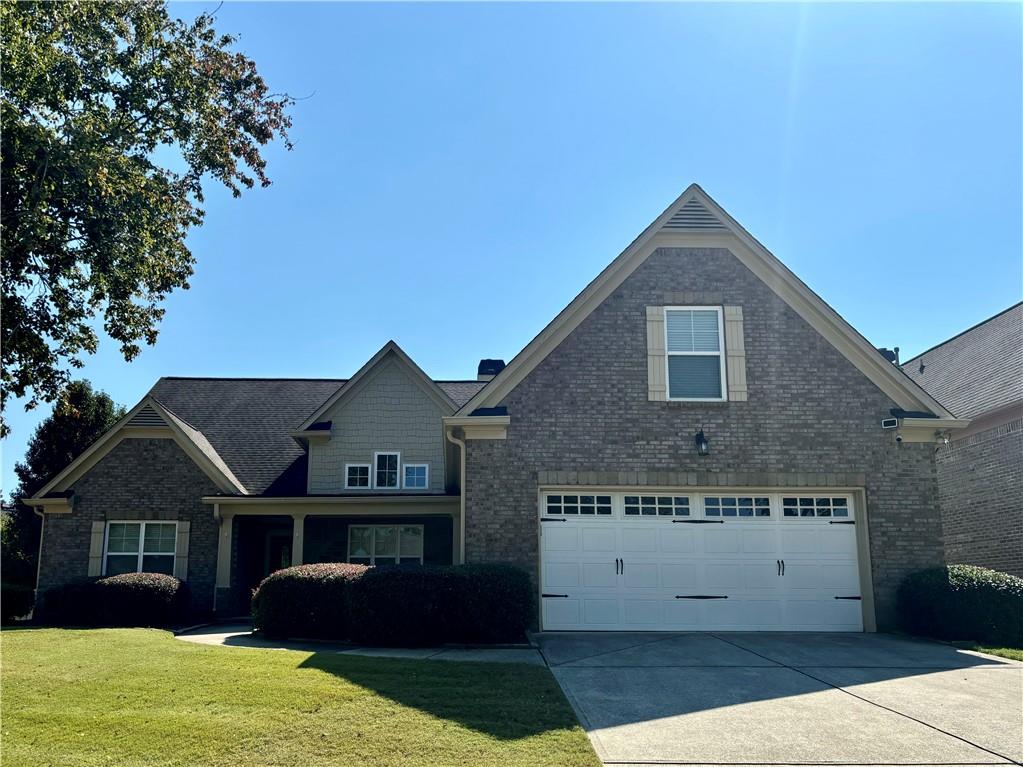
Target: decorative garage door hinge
857,598
697,521
563,596
700,596
842,522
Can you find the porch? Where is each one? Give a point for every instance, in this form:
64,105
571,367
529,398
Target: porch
259,536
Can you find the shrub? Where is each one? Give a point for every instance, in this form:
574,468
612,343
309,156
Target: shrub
963,602
131,599
406,606
15,600
403,606
306,601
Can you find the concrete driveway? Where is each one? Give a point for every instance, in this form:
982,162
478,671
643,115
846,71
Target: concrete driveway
804,699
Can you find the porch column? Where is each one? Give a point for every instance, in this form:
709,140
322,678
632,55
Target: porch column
297,535
224,550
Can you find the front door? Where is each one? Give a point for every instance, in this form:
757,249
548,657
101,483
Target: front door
278,552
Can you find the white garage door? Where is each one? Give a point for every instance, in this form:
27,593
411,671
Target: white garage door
781,561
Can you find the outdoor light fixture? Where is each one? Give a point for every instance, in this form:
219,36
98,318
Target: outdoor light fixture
702,445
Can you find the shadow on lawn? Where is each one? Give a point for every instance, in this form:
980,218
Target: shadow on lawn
505,701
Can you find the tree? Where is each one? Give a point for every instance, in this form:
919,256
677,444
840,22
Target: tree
99,100
80,416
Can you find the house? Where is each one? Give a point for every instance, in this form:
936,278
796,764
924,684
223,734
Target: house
978,374
697,441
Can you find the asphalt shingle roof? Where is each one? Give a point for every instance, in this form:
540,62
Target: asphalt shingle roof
248,421
977,371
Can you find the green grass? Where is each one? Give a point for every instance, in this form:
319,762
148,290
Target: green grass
1013,653
140,697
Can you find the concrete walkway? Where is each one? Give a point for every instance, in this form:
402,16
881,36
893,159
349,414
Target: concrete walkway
806,699
240,635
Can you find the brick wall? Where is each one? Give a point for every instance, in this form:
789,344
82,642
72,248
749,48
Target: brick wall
139,479
391,413
980,486
811,418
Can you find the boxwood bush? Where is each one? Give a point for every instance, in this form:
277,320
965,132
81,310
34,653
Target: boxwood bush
131,599
306,601
963,602
396,606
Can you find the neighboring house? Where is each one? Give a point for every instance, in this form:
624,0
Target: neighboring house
695,442
978,374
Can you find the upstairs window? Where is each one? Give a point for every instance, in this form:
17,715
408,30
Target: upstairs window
695,353
417,476
357,475
386,470
140,547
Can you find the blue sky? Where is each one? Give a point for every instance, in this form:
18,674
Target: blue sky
461,171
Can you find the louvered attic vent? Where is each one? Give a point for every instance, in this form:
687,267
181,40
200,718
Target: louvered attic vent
694,217
146,417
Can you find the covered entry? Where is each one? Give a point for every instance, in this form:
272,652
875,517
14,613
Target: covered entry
686,561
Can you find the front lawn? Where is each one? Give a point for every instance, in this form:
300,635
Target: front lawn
140,697
1012,653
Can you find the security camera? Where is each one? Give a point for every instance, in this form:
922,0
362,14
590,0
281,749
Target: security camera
898,438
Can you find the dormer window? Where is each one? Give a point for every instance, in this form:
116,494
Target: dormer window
386,470
357,475
417,476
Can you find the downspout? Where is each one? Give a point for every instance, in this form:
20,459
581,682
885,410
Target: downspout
39,556
461,492
218,520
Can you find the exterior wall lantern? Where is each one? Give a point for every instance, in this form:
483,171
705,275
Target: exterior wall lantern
702,445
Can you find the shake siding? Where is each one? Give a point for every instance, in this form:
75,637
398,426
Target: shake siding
391,412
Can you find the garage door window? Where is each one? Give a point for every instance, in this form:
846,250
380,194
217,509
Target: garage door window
574,505
736,506
806,506
656,506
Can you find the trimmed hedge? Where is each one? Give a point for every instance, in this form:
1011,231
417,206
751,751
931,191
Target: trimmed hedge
963,602
305,601
396,606
131,599
15,600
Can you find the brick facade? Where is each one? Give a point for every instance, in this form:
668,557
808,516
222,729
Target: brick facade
980,487
392,413
583,416
148,479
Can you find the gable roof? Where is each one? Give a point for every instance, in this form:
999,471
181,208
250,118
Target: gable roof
148,417
978,370
696,220
390,350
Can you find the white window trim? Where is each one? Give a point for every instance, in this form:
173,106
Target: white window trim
397,543
398,478
369,477
142,540
415,466
720,354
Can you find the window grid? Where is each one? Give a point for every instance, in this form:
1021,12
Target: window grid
357,475
416,476
380,545
592,505
385,474
718,506
656,506
681,346
137,547
814,506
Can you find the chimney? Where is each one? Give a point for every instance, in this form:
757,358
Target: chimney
488,369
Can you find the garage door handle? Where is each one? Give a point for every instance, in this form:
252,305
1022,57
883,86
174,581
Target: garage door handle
697,521
618,564
700,596
778,561
783,567
554,596
856,598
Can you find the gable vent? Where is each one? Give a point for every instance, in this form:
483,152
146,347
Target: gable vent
147,417
694,217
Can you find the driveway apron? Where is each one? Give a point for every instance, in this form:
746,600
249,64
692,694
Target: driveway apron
772,698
